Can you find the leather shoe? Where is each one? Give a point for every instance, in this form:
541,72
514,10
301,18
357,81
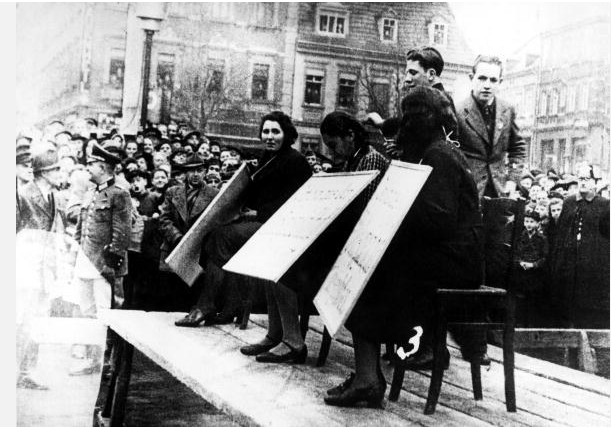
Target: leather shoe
26,382
336,390
370,396
423,360
195,318
294,356
259,348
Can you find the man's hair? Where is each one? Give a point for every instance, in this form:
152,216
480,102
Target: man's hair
494,60
340,124
131,176
427,57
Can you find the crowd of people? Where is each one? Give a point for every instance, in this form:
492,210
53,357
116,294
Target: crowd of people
129,202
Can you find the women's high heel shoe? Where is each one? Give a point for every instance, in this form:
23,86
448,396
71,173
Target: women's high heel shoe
259,348
294,356
371,396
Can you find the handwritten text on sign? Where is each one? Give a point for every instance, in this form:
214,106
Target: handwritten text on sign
277,245
368,242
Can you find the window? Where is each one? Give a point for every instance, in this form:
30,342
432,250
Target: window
260,82
165,71
215,77
380,98
347,84
553,107
571,98
582,103
117,67
547,154
562,98
332,23
313,87
262,14
389,30
543,104
438,32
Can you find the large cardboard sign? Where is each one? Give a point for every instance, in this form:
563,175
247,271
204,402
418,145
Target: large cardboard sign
184,259
368,242
277,245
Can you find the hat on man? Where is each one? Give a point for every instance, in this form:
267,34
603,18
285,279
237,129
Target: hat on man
527,174
192,134
45,158
152,132
69,134
99,154
22,154
91,121
192,162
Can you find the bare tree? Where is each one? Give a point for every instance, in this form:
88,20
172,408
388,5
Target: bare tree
384,85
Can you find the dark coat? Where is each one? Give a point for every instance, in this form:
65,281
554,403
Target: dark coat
439,244
490,159
36,212
279,176
579,258
175,219
105,220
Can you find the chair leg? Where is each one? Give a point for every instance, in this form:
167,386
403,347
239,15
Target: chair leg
397,382
304,321
439,350
246,314
476,379
508,354
117,413
325,345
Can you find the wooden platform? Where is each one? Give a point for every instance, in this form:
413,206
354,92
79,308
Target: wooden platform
207,360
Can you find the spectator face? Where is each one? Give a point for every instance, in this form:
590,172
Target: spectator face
131,148
213,179
193,140
415,75
236,156
215,150
541,210
326,166
317,168
163,129
131,166
224,156
176,145
118,141
24,172
139,139
214,168
166,149
180,158
530,224
311,160
147,146
195,176
54,177
585,182
572,190
159,180
138,185
96,170
534,192
272,136
485,82
188,149
204,151
159,159
179,176
555,211
141,164
526,183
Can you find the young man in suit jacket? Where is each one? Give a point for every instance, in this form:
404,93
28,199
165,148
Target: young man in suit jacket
488,134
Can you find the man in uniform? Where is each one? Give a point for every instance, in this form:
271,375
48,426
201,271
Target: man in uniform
103,232
36,210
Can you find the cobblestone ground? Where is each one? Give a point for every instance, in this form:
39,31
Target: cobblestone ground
155,397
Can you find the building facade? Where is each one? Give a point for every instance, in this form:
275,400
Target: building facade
221,66
560,85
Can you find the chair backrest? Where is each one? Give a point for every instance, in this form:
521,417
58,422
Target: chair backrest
503,224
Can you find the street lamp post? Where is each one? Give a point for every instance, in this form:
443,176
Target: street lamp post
151,15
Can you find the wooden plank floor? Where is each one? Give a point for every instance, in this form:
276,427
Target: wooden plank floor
208,361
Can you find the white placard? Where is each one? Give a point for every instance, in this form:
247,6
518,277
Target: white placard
368,242
184,259
277,245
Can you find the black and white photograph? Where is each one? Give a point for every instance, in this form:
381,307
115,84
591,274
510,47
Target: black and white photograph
311,214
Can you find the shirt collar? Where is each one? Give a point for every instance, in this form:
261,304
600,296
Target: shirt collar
105,184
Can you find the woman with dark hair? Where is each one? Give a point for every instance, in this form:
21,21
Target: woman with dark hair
282,171
437,245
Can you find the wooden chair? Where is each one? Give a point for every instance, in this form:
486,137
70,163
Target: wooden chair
503,223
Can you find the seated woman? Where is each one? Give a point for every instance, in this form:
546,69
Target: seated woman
283,170
437,245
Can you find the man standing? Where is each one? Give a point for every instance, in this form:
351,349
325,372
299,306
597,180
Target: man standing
103,232
36,210
488,132
182,206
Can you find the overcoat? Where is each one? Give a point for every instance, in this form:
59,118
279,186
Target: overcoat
490,159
